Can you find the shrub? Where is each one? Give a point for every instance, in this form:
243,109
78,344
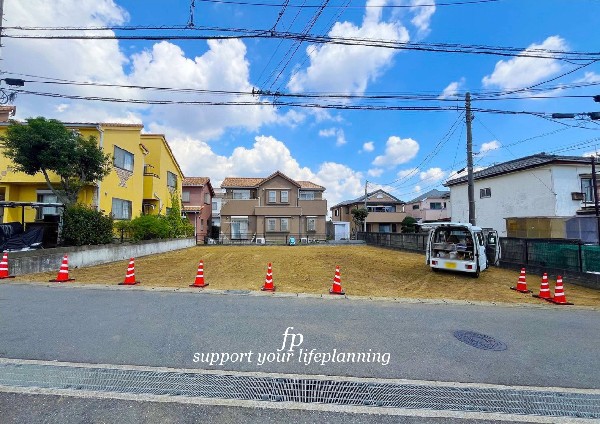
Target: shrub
147,227
83,225
409,225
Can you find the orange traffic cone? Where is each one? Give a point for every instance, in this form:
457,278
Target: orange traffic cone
521,284
4,267
130,275
63,272
336,288
544,288
269,280
199,282
559,293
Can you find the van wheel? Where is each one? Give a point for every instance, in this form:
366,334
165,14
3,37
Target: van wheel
476,273
434,269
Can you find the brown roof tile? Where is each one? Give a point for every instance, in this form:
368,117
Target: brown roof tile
308,184
195,181
241,182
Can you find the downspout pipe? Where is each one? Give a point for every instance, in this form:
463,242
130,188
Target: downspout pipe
101,145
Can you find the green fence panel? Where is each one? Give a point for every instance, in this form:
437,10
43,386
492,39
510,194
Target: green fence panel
590,258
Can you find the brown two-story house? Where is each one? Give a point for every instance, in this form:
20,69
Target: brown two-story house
385,212
272,209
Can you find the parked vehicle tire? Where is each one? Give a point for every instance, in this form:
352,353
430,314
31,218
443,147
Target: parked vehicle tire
476,273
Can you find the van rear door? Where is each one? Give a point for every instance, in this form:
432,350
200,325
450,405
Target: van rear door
492,247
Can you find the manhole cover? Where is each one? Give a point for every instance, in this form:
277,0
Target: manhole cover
480,341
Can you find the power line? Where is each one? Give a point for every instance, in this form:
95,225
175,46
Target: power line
571,56
390,6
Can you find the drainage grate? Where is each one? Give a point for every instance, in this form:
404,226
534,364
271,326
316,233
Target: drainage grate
480,341
304,390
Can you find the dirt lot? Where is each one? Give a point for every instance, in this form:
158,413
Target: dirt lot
365,271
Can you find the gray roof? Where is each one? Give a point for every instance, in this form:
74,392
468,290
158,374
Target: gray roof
431,194
361,199
527,162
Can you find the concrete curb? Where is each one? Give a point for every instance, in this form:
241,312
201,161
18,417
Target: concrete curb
326,296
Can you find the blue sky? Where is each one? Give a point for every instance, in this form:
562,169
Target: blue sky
404,152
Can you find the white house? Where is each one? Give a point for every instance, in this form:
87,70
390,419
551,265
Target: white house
540,185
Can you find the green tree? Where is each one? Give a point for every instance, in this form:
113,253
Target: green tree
359,215
45,145
408,225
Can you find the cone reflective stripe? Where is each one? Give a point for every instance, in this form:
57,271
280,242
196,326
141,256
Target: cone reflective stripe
559,293
522,283
63,272
4,267
544,288
130,275
336,288
269,280
199,282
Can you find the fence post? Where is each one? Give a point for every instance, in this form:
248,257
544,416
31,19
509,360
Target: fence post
580,251
526,258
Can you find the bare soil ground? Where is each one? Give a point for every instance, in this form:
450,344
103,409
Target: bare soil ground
365,271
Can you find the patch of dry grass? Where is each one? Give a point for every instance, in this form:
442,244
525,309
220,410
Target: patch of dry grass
365,271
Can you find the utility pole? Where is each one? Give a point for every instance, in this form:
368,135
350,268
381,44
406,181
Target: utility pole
471,188
595,188
365,221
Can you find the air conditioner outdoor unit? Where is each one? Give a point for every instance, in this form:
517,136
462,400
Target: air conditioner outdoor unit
260,240
577,196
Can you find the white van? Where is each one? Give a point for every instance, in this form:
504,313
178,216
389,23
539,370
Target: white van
462,247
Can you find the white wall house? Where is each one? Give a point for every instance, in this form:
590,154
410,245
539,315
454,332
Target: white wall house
431,206
534,186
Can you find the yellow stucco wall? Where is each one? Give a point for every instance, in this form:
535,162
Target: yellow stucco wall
120,183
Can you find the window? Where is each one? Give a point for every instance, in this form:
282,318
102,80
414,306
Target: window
435,206
311,224
336,212
307,195
123,159
185,196
207,198
587,188
272,196
215,206
121,209
46,197
239,228
271,224
415,207
202,224
485,192
241,194
285,224
385,228
171,180
284,197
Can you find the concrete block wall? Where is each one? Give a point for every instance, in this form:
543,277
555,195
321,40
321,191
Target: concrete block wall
20,263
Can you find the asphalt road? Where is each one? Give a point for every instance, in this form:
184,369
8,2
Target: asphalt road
545,347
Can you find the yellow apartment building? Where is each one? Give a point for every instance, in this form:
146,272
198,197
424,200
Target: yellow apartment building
144,175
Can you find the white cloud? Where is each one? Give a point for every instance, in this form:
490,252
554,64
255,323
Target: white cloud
397,151
266,156
222,66
369,146
521,71
348,69
592,153
423,15
488,147
405,173
589,77
452,89
432,175
375,172
338,133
